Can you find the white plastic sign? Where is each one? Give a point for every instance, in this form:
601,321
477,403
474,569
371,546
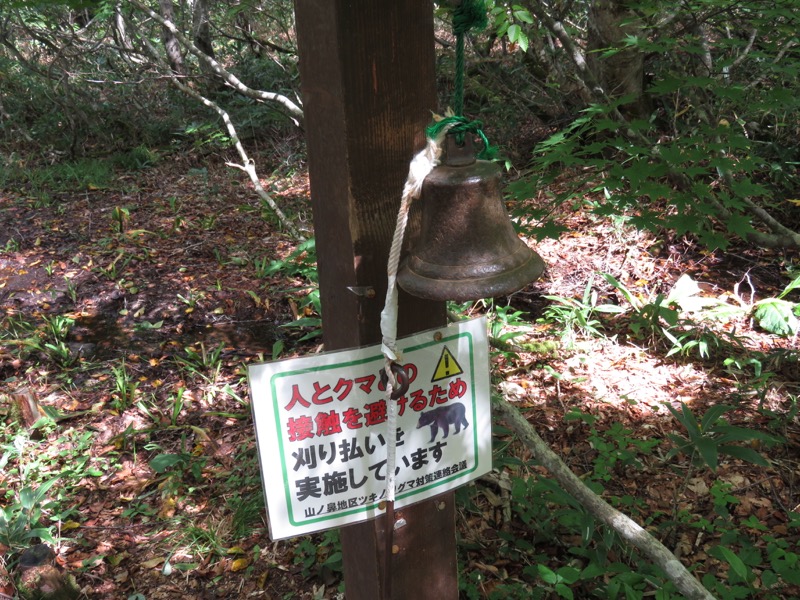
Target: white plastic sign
322,434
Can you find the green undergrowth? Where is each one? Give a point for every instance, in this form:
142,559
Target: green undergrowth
532,539
535,540
538,541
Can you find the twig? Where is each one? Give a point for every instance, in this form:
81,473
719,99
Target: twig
185,248
746,50
249,166
776,496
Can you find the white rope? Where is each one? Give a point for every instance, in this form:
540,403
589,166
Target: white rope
422,164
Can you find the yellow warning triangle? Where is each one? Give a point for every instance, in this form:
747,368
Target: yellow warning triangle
447,366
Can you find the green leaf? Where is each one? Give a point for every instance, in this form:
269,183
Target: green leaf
569,574
621,288
688,419
786,565
162,462
684,222
592,571
736,564
777,316
746,187
304,322
747,454
708,451
712,415
547,575
522,14
42,533
514,32
26,498
731,433
555,493
548,229
795,284
769,578
670,315
563,591
522,40
739,225
30,498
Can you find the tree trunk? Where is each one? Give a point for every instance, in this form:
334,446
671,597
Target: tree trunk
201,29
171,45
620,73
201,34
368,79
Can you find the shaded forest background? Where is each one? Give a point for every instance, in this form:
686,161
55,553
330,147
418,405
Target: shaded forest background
156,237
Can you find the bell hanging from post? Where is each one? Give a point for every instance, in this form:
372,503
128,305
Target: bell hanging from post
467,247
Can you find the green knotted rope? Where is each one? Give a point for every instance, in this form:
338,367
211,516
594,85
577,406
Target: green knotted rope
460,126
469,14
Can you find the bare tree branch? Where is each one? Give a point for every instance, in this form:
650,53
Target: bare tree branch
746,50
170,40
248,165
294,111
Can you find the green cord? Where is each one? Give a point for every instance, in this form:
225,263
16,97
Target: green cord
470,14
460,126
458,82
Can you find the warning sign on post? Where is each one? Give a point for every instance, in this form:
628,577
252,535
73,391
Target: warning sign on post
322,433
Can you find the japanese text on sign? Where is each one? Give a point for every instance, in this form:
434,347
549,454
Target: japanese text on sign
322,437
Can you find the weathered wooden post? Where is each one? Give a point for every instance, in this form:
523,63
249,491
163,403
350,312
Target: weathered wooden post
368,85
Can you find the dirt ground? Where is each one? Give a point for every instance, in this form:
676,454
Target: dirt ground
178,270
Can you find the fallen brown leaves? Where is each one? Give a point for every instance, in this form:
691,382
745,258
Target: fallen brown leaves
182,276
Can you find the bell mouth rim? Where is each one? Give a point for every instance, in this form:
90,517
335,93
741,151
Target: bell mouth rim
494,264
467,288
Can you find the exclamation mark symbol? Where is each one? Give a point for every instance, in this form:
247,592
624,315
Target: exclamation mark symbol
447,366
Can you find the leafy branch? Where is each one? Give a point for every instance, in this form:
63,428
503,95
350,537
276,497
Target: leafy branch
644,146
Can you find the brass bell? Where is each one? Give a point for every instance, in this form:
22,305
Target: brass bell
467,247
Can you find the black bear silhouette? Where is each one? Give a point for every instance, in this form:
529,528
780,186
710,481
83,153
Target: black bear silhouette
444,416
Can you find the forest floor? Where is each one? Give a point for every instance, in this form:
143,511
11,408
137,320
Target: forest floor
131,311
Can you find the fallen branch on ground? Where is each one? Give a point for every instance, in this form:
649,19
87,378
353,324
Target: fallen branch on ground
629,530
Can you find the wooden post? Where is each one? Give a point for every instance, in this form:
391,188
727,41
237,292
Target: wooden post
367,70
